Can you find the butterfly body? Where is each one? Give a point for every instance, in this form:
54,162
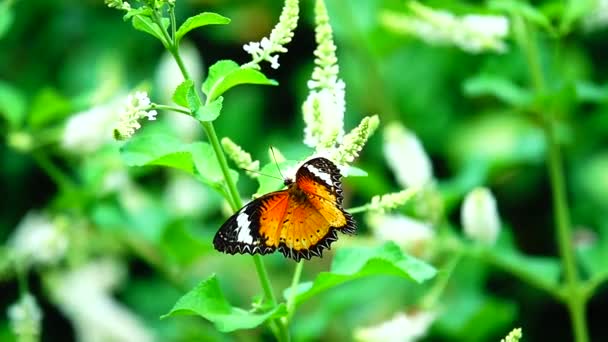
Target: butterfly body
299,221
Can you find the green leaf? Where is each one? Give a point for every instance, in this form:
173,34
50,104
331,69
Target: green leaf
226,74
48,107
354,263
503,89
182,245
590,92
7,16
199,20
158,149
523,9
145,24
271,179
185,95
210,111
12,105
208,167
180,96
208,301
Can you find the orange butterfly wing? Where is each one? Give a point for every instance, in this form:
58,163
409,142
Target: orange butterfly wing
300,221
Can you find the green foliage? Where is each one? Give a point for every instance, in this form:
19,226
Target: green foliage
226,74
208,301
199,20
354,263
508,95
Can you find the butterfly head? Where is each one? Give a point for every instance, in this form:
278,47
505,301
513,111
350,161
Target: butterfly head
287,181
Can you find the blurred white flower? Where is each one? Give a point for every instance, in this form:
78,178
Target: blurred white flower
269,47
84,296
24,317
114,181
185,196
403,327
479,216
87,131
472,33
241,158
406,156
135,107
168,76
38,240
412,235
597,18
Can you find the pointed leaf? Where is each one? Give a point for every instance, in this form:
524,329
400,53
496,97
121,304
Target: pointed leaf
158,149
7,17
145,24
12,105
270,179
354,263
210,111
180,96
503,89
208,167
202,19
208,301
185,95
226,74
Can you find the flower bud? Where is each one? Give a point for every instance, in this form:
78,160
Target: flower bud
479,216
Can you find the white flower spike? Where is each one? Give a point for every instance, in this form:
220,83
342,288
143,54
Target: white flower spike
268,48
135,108
471,33
25,316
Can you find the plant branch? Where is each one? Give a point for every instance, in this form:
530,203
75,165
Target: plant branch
572,293
278,328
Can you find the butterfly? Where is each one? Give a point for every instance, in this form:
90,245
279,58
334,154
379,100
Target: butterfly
299,221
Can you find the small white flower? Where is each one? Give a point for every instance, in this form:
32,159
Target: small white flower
135,107
403,327
84,296
479,216
88,131
381,203
25,317
412,235
37,240
514,336
185,196
406,156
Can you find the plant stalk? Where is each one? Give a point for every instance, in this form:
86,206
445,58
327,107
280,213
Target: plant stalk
572,293
279,329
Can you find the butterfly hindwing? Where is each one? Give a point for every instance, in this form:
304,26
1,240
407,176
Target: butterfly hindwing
241,232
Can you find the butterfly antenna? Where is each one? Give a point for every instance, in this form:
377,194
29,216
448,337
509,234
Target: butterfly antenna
262,174
275,162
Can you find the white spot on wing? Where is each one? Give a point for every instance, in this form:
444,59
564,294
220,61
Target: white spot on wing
322,175
242,221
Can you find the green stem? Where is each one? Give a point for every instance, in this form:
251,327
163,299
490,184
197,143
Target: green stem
572,292
63,182
573,295
177,109
279,328
291,301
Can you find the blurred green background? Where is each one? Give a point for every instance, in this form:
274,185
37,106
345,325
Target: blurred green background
60,58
